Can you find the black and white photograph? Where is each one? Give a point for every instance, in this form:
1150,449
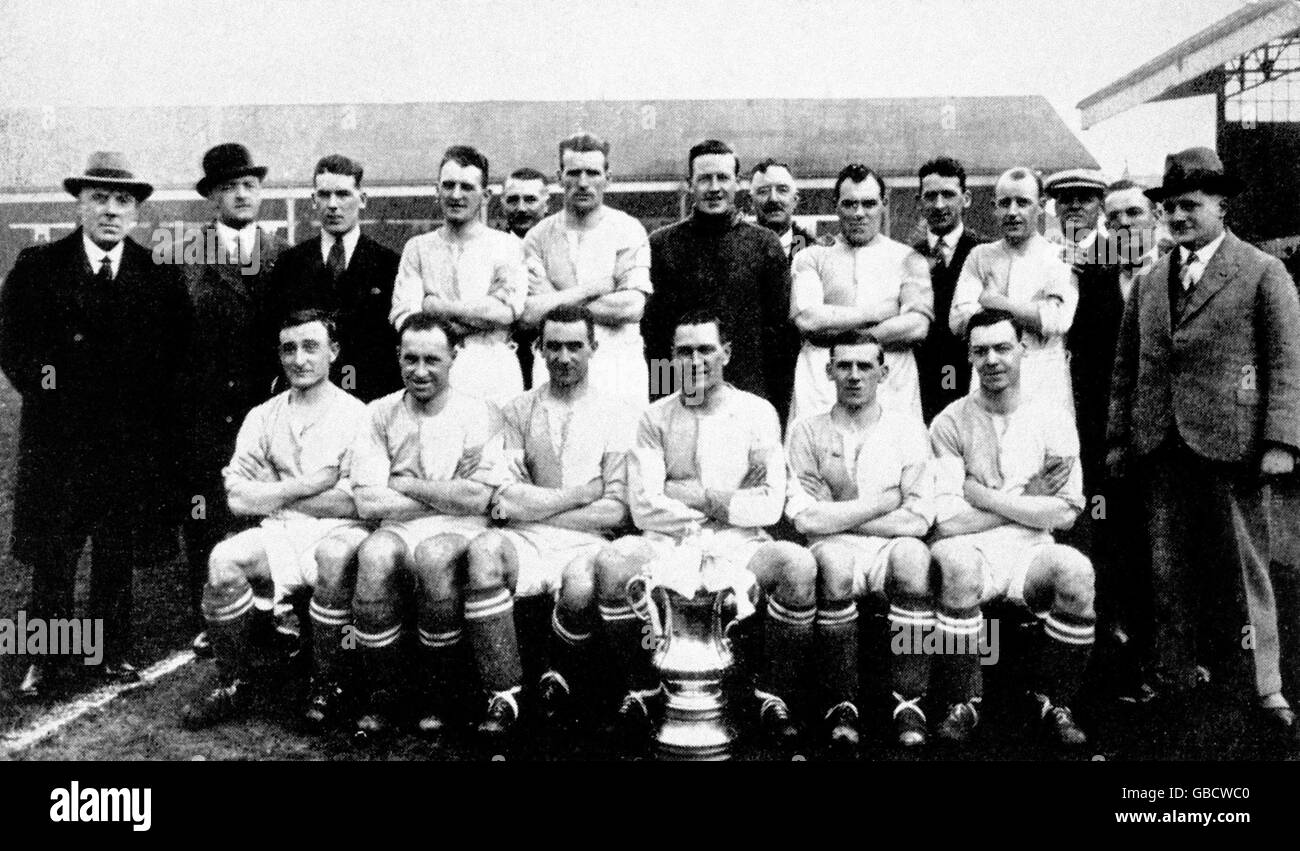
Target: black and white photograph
911,385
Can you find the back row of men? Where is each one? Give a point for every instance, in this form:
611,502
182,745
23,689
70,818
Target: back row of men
113,347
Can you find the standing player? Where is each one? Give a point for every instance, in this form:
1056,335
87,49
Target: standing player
564,495
469,276
1007,474
290,467
1023,274
417,467
860,489
710,459
593,255
864,280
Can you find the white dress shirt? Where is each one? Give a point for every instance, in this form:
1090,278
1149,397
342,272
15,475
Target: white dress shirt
96,255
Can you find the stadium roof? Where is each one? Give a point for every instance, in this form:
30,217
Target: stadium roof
401,143
1181,71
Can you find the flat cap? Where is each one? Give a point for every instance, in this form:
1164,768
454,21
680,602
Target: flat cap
1075,178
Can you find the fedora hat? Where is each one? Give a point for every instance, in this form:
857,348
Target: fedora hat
226,162
110,169
1192,169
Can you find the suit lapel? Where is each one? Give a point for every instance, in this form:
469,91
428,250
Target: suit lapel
1221,269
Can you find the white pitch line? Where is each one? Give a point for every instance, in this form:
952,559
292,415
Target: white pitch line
58,717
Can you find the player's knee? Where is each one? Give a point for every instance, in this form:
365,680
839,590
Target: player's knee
578,583
225,569
959,576
486,561
909,568
834,570
377,562
1075,580
797,583
335,564
614,566
435,561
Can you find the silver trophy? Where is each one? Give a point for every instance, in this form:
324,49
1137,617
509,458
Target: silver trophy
693,656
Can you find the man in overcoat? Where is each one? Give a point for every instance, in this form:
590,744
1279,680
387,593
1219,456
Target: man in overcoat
94,337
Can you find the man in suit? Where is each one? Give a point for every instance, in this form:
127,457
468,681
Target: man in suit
715,261
234,363
775,198
94,335
1105,530
349,274
1205,411
941,357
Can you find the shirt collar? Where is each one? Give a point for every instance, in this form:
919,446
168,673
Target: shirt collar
244,237
349,243
950,238
1205,252
96,255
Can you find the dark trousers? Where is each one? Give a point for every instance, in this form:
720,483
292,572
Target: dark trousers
115,547
1212,592
1284,532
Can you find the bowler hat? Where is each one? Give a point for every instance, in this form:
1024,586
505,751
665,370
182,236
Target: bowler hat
109,169
226,162
1192,169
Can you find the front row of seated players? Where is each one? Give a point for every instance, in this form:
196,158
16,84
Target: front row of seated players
864,486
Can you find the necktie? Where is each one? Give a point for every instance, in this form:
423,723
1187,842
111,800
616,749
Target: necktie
105,275
335,262
944,252
1188,277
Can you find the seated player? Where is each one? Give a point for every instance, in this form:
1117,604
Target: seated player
564,493
709,458
1007,474
861,490
418,467
291,468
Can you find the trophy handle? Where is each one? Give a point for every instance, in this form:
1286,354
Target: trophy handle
643,603
724,613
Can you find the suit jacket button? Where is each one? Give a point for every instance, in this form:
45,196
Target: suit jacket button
78,337
230,419
230,384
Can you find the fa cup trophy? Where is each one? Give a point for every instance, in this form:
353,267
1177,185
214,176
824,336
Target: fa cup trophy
693,656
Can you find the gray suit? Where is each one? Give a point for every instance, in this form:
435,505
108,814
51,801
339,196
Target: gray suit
1204,381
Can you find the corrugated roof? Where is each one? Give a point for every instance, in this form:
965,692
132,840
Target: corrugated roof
401,143
1250,26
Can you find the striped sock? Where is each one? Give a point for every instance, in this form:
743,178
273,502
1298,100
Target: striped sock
1064,654
837,652
229,616
626,639
958,632
787,642
911,621
569,647
490,622
379,654
327,625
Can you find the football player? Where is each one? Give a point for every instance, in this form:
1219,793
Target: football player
1007,474
418,467
564,493
290,467
861,489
